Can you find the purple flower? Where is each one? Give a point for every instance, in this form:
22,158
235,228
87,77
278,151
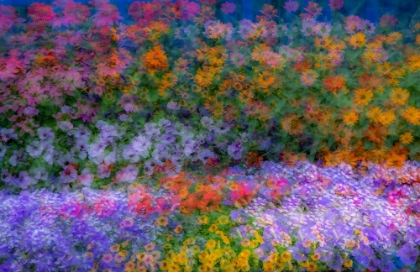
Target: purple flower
45,133
237,59
235,150
128,174
291,6
7,134
228,7
408,254
336,4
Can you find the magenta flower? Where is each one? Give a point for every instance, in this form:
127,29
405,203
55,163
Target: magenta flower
336,4
388,20
228,7
291,6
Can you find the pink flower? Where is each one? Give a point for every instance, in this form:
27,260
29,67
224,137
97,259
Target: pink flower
8,17
85,178
312,10
41,14
228,7
107,15
388,20
336,4
291,6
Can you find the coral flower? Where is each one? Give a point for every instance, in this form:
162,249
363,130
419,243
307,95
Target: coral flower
41,13
334,83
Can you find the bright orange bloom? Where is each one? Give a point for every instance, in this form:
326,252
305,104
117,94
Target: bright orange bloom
363,96
357,40
156,59
399,96
350,118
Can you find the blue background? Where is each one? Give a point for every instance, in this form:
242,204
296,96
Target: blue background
248,9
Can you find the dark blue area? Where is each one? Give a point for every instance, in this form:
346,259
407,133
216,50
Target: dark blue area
249,9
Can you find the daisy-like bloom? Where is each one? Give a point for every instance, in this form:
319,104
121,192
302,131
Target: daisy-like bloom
291,6
406,138
308,78
357,40
228,7
350,118
363,96
336,4
334,83
412,115
374,113
387,118
399,96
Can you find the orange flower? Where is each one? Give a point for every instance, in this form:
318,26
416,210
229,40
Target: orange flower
406,138
387,118
357,40
350,118
374,113
412,115
363,96
399,96
377,134
292,125
334,83
156,59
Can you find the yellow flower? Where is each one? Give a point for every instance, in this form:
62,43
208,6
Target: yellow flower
412,115
285,256
225,240
211,244
374,113
399,96
203,220
162,221
357,40
406,138
268,266
311,267
348,263
315,256
387,118
394,37
350,118
178,229
213,228
189,241
222,220
363,96
130,266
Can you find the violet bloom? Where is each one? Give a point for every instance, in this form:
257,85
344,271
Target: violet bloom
245,28
408,254
237,59
336,4
235,150
45,133
128,174
8,133
291,6
228,7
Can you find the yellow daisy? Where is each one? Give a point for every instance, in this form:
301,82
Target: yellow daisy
350,118
406,138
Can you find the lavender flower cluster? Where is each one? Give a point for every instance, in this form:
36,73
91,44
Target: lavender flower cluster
95,149
375,221
48,231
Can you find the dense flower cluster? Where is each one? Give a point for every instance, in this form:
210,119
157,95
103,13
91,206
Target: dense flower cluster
286,86
279,217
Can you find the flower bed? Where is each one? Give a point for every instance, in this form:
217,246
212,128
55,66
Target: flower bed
277,217
178,140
